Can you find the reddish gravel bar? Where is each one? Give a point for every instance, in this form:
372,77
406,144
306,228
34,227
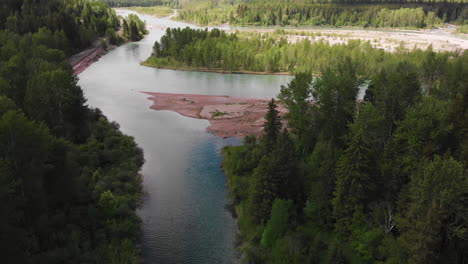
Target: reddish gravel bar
228,116
84,59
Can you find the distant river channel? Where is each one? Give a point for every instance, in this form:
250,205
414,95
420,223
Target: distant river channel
184,219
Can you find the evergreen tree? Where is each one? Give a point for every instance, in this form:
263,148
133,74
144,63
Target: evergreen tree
393,90
134,34
335,93
57,156
296,97
277,176
126,28
424,132
265,191
279,222
433,222
272,126
354,182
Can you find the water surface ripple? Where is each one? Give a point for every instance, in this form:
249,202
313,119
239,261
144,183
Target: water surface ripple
184,219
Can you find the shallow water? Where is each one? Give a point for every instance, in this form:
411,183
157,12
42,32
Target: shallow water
183,212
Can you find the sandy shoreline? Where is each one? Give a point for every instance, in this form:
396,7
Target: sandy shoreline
228,116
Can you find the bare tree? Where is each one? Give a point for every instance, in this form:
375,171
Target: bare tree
381,217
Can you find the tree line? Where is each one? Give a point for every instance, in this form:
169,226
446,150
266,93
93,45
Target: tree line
133,28
77,22
412,14
69,179
126,3
340,180
217,50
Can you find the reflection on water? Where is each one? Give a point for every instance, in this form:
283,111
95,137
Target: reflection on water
183,212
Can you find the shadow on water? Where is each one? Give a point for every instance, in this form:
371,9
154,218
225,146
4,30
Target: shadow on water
184,212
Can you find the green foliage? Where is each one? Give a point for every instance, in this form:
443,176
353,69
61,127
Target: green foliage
354,182
134,28
436,212
424,132
218,114
413,14
296,97
462,29
335,93
128,3
365,244
54,97
69,178
385,177
215,50
158,11
272,126
277,176
76,22
392,90
279,222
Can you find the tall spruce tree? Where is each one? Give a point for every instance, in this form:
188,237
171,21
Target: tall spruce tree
278,176
272,126
126,28
353,182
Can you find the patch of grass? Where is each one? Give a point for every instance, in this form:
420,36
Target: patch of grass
218,114
462,29
162,63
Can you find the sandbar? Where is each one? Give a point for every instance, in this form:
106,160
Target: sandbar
228,116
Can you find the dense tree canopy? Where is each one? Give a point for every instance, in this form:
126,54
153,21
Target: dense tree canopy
385,178
126,3
69,179
134,28
253,52
74,23
365,13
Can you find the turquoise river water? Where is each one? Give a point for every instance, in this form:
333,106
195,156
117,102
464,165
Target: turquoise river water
183,214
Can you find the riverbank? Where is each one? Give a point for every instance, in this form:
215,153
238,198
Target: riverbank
152,62
81,61
100,47
228,116
388,39
284,52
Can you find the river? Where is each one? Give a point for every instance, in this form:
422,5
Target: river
183,214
